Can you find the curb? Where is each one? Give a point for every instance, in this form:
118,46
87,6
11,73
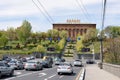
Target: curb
81,75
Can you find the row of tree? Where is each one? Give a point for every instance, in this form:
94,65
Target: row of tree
25,35
111,44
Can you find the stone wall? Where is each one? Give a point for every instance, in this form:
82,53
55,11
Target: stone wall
114,69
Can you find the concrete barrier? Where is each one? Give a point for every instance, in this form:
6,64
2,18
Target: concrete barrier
114,69
81,75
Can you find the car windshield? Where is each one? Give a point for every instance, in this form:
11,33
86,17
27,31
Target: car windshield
77,60
31,62
64,64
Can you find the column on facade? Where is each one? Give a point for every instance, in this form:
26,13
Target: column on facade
81,31
70,33
73,33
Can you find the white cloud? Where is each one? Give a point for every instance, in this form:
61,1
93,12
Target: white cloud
58,9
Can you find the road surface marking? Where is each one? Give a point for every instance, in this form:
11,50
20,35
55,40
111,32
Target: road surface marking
27,74
50,77
17,73
42,74
60,77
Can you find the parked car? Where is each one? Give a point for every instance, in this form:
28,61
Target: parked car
90,61
65,67
48,62
77,62
5,69
16,64
33,65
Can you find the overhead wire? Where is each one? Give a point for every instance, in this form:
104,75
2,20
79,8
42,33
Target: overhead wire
45,11
41,11
85,9
82,10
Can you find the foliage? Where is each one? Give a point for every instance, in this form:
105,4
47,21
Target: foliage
63,34
61,44
90,37
3,40
79,44
24,31
40,49
112,31
113,54
11,34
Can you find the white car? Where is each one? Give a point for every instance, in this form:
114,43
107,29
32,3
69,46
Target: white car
65,67
36,65
77,63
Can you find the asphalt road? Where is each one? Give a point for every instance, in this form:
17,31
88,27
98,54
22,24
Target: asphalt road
45,74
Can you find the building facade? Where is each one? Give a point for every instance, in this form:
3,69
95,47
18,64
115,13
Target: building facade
74,27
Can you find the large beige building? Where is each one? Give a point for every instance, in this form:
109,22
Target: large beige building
74,27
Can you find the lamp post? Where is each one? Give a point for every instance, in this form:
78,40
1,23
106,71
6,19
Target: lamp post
93,52
101,50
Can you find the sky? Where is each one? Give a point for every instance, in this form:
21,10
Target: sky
14,12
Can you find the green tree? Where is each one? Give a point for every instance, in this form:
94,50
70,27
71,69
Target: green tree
11,33
112,31
79,44
112,54
63,34
61,44
24,31
3,40
40,49
90,37
54,34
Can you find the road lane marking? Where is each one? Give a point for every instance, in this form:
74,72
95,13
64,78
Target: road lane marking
60,77
50,77
42,74
27,74
18,73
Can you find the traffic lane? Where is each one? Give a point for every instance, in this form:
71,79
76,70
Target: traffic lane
32,75
16,73
46,74
49,74
65,76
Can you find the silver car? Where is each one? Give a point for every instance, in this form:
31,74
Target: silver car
77,62
65,67
16,64
33,65
5,69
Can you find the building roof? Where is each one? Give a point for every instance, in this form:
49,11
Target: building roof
73,23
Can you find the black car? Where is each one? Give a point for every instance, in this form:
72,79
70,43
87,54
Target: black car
90,61
48,62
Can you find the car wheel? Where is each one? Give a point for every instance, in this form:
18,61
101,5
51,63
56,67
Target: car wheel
12,72
0,74
26,69
58,73
72,72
